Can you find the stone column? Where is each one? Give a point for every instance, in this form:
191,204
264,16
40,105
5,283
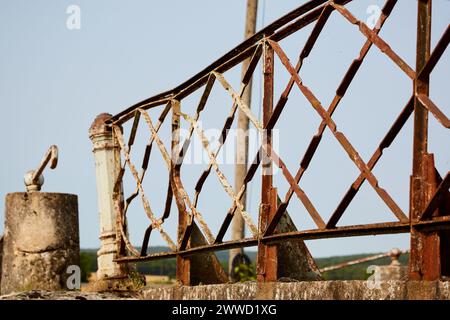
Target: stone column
107,166
394,271
40,242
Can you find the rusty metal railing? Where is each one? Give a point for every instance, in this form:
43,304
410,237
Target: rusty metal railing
394,254
428,219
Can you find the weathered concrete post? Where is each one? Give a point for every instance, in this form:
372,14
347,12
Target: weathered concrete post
40,242
107,166
394,271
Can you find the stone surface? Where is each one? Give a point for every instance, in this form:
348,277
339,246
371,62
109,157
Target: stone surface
306,290
70,295
40,241
391,272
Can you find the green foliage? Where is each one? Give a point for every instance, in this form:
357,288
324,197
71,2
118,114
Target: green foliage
88,263
245,272
137,279
159,267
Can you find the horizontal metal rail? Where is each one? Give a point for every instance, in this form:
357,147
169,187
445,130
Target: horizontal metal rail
442,223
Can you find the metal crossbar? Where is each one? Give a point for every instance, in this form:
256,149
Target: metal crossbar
429,213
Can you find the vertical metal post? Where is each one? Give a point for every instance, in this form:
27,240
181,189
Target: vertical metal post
183,264
424,261
107,167
204,267
421,86
267,254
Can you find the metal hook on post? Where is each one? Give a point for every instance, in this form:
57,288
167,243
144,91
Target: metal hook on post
34,179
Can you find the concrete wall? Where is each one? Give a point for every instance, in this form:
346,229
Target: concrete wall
313,290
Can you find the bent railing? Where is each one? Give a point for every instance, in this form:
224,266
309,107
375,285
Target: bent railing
428,218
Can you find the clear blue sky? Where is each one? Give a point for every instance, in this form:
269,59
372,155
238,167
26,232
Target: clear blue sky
54,81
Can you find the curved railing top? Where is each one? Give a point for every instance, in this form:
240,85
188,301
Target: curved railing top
306,14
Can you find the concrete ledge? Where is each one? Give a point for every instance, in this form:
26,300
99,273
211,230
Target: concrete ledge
69,295
308,290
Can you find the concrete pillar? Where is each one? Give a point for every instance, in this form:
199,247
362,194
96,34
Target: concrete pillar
107,166
40,242
394,271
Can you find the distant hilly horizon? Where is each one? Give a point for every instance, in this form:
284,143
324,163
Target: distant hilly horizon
168,266
223,255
